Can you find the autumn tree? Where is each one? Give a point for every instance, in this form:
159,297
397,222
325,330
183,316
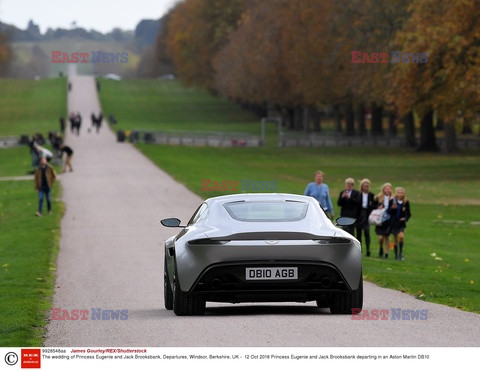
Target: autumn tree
449,32
196,31
366,31
251,67
278,56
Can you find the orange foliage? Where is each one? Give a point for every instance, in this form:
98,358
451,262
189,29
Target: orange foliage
298,53
449,31
197,29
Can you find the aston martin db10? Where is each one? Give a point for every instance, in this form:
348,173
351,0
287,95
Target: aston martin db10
262,248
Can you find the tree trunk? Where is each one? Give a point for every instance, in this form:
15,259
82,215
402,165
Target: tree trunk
428,142
362,127
450,143
298,117
306,119
409,128
338,119
286,117
392,127
377,116
349,120
317,125
467,128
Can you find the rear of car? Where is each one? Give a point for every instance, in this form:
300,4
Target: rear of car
264,248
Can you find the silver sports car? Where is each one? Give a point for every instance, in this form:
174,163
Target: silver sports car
262,248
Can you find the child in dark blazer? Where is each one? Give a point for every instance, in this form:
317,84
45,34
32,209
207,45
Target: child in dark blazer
399,210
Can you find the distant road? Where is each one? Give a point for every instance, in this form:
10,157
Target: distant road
111,257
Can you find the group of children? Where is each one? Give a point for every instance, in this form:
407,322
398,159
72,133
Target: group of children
397,209
360,204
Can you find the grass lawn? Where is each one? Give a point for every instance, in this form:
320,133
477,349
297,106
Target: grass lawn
28,250
15,161
167,105
28,245
442,259
30,106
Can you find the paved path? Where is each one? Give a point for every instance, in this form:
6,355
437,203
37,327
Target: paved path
111,257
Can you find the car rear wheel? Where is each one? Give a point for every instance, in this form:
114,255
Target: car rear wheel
167,289
346,302
184,304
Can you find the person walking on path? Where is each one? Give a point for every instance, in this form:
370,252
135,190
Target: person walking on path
399,210
44,178
319,191
348,200
365,207
78,123
382,201
68,159
71,118
62,124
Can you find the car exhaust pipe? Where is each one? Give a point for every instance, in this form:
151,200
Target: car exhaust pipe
326,282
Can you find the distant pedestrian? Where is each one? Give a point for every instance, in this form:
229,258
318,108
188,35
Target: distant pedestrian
72,120
78,122
44,178
399,210
348,200
365,208
382,201
68,159
99,120
320,191
92,119
62,124
69,86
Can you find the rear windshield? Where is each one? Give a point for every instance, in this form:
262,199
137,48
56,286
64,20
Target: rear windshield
267,211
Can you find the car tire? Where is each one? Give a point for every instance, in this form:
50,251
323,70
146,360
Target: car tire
185,304
345,303
167,289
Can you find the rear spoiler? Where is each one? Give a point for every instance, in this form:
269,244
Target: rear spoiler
255,236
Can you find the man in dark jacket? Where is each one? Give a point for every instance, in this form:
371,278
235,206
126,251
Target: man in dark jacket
44,178
348,201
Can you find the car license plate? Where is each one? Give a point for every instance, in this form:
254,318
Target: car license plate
272,273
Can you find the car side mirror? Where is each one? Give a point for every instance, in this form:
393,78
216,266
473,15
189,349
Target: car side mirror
344,221
171,222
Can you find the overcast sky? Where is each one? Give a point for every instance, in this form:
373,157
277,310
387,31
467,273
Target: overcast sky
101,15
